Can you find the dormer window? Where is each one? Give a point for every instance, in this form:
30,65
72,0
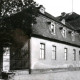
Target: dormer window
42,9
64,32
63,21
73,36
52,28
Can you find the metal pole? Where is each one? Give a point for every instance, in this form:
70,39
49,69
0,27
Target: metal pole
72,5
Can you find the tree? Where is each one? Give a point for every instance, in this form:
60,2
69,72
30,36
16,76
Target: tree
9,7
18,13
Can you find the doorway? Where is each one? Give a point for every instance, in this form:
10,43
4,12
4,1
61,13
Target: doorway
6,59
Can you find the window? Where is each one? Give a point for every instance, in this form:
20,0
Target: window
64,32
79,55
42,9
73,36
65,52
74,54
54,52
42,51
52,28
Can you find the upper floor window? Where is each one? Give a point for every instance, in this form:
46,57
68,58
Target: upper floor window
54,52
52,28
73,36
64,32
42,9
74,54
65,52
42,51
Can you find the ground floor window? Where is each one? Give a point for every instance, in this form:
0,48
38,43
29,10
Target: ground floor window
79,55
54,52
74,54
42,51
65,52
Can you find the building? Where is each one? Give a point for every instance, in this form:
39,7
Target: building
56,41
53,44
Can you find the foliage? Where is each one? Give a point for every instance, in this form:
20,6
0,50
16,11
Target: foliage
18,13
9,7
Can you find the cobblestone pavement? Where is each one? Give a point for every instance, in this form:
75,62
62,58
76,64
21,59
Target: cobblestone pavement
69,75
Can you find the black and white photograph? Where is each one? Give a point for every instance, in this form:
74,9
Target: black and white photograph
39,39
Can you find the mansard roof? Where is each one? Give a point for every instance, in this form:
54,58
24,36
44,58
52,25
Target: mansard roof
58,19
41,28
72,19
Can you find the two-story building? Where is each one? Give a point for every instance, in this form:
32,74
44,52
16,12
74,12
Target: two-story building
53,44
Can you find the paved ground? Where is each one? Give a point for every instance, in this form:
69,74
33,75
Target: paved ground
69,75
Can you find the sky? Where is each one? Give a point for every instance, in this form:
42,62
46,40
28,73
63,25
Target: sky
56,7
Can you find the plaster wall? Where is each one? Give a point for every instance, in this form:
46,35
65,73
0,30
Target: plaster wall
48,62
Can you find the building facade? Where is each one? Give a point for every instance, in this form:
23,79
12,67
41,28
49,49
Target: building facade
54,44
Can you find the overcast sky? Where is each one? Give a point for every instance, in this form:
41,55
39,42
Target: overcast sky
55,7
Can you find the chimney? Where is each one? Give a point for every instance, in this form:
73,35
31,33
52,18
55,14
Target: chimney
63,14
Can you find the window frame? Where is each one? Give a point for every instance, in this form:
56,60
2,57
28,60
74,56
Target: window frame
52,28
66,53
79,55
74,54
64,32
42,51
73,36
53,52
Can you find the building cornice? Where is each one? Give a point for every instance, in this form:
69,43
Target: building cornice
55,40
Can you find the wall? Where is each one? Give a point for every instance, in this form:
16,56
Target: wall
60,61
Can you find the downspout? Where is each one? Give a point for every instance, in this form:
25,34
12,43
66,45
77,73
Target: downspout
29,48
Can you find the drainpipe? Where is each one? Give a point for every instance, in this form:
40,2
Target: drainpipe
29,56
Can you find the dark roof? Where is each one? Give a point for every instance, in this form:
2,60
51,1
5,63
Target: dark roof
48,16
58,19
75,23
72,19
42,29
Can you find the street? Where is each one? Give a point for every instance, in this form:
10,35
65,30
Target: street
68,75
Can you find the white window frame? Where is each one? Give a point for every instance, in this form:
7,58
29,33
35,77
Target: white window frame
73,36
42,10
79,55
54,52
42,51
52,28
66,53
64,32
